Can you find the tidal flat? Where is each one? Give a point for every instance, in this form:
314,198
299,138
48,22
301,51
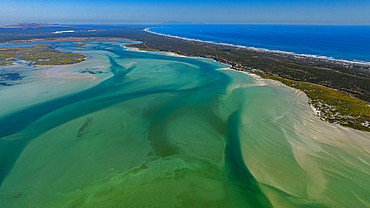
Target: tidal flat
40,54
154,130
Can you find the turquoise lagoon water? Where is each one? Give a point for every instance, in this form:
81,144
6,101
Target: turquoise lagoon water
156,130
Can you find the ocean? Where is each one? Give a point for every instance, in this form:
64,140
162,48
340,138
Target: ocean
161,130
350,43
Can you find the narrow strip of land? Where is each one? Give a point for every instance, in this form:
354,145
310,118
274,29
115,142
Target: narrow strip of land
338,90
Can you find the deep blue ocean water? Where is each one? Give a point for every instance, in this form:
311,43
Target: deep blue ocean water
339,42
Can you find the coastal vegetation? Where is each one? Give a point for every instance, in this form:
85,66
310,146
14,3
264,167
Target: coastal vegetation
191,134
338,90
332,105
42,54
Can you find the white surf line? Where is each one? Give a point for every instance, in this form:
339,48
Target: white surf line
263,49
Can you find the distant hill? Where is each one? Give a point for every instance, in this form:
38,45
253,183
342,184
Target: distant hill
175,23
32,25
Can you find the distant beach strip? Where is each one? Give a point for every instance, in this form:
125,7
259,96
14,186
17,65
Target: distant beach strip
344,60
339,89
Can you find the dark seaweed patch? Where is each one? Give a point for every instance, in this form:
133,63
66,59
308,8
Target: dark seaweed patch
83,129
92,72
6,84
11,76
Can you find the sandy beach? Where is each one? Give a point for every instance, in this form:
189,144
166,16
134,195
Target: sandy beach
161,123
303,58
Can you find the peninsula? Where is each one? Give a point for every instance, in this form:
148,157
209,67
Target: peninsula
339,91
155,129
41,54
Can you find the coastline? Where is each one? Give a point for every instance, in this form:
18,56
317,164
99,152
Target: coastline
315,111
42,83
276,52
356,119
336,105
87,148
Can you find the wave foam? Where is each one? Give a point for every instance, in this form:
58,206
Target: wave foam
261,49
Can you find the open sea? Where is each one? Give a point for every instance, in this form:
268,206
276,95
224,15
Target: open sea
350,43
161,130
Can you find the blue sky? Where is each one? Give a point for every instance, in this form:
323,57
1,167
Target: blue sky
195,11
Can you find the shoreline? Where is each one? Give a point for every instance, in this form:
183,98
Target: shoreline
335,106
250,74
318,95
263,50
220,140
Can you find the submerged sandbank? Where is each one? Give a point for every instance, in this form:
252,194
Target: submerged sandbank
165,131
43,83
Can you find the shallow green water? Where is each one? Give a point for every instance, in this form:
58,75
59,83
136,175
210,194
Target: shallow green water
166,131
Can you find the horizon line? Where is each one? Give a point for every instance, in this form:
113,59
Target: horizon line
181,23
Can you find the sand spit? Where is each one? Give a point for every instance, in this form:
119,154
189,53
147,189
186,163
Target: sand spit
302,58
